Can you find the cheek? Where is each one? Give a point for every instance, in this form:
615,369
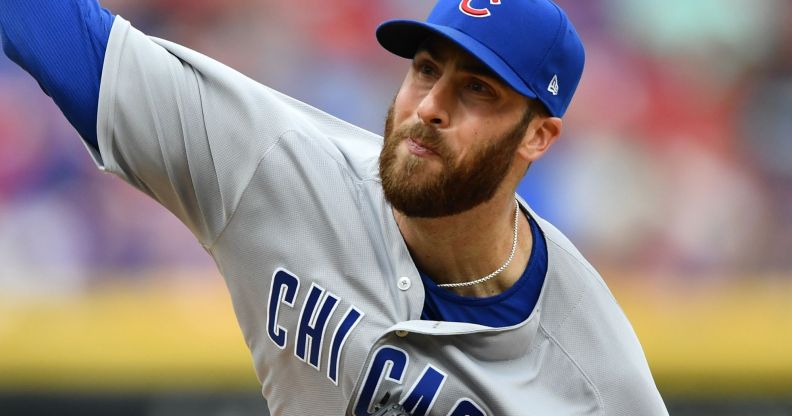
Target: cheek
475,134
402,108
470,135
407,101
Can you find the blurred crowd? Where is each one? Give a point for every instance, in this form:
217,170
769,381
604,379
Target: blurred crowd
676,159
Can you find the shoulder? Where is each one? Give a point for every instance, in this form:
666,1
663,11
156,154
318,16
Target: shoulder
581,316
353,148
234,105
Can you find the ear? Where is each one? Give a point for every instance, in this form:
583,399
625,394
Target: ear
539,136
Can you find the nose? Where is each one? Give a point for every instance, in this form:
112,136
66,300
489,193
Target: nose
433,109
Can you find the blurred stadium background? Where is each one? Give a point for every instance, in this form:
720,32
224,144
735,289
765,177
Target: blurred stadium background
674,177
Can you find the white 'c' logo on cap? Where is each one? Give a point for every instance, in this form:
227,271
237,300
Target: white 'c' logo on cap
466,8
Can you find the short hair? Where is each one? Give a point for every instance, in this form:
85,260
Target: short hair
535,108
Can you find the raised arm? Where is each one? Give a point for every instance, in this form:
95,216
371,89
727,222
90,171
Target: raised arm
185,129
62,44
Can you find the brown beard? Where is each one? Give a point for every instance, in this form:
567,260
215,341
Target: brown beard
459,186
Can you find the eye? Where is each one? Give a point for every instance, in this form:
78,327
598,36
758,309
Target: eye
425,68
480,87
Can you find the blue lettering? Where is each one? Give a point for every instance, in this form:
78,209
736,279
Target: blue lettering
350,320
389,363
424,392
466,407
313,322
281,280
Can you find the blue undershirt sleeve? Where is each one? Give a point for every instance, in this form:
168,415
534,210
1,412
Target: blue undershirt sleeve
62,44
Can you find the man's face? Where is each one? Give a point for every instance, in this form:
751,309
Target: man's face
451,134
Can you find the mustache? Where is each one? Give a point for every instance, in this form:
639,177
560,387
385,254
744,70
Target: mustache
427,135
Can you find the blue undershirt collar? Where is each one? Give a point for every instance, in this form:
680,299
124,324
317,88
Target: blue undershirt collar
509,308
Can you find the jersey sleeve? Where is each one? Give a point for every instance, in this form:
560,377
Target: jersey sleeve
185,129
61,43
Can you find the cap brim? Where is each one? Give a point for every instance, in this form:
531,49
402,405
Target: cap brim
403,37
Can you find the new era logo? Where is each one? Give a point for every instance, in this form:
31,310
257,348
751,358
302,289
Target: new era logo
553,87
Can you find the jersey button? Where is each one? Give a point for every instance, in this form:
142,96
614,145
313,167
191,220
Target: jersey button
401,333
404,283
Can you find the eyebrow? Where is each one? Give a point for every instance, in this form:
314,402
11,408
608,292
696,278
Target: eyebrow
480,69
473,66
430,49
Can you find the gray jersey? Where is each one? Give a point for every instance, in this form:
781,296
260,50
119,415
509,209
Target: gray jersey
288,202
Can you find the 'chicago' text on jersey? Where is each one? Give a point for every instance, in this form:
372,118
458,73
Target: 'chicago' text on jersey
387,362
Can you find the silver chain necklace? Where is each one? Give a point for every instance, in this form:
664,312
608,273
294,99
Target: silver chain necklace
501,268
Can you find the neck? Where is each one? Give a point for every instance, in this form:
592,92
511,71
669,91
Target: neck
464,247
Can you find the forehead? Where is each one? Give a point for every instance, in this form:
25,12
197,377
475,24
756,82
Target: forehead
443,50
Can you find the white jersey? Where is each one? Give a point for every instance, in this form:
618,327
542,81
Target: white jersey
288,201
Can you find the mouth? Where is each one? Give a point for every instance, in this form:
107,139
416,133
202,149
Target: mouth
419,149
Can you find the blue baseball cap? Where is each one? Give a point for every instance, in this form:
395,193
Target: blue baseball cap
530,44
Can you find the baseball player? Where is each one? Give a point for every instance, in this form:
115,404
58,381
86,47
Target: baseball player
390,275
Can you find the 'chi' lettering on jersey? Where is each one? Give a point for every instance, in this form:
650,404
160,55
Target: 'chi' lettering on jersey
317,309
